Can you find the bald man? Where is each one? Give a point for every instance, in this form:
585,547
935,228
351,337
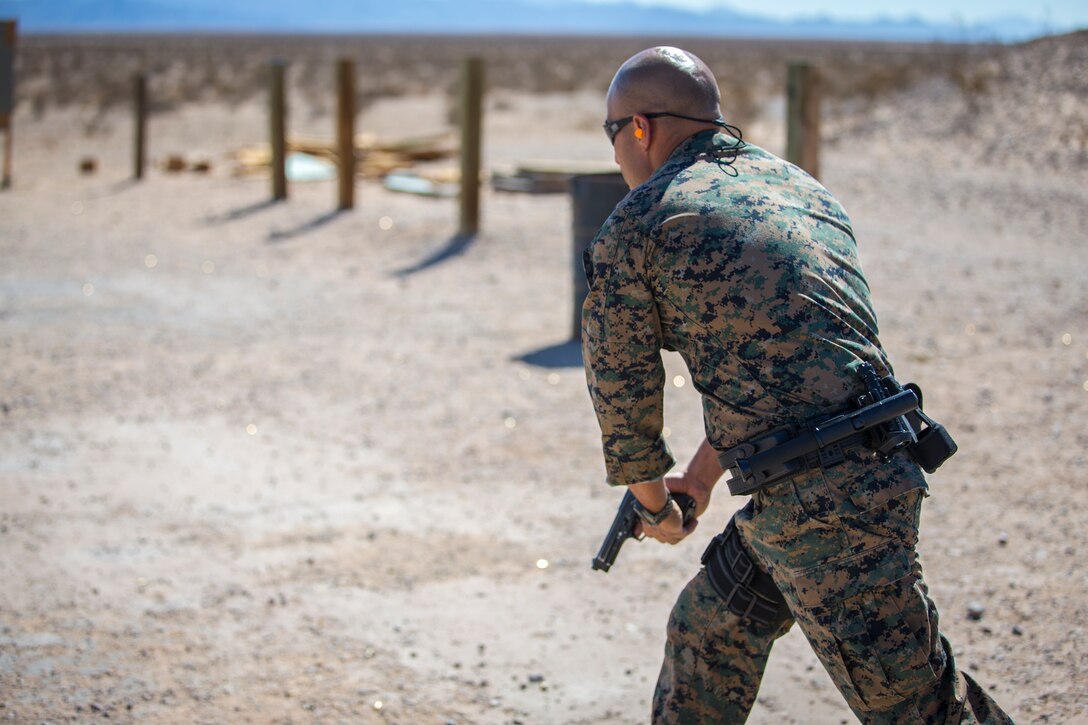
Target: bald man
748,267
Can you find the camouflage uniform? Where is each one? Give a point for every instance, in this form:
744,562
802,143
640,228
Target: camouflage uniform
748,268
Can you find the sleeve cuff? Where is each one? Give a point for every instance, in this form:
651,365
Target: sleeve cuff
646,465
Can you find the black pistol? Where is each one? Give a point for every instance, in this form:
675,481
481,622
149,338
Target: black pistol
623,527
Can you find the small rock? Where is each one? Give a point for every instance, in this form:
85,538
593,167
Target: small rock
535,679
1017,631
1002,539
88,165
975,610
174,163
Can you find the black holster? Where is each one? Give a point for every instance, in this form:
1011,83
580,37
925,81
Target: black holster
746,590
886,419
934,445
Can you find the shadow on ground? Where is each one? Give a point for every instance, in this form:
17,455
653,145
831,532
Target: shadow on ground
305,228
456,246
561,355
240,213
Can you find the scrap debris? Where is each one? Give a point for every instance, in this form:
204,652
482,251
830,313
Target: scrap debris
306,167
374,158
397,163
177,163
545,177
445,183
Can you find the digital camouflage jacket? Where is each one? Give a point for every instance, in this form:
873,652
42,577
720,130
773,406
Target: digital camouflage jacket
747,267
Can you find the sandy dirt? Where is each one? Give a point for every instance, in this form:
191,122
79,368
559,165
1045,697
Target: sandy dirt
268,463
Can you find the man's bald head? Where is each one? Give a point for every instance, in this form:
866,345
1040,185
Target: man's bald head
664,79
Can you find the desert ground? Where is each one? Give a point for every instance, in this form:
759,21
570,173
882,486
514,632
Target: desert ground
267,463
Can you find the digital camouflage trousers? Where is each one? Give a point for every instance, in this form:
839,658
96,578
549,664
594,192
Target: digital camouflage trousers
840,545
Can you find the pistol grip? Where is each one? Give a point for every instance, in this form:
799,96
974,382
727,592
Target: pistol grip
686,504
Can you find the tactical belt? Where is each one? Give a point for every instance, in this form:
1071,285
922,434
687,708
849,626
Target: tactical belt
886,419
746,590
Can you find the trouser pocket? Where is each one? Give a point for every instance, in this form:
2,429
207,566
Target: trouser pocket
870,621
886,641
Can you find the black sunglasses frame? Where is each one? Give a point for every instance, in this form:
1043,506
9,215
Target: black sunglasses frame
612,128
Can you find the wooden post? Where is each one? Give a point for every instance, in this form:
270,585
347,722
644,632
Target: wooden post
345,131
7,94
139,155
5,179
803,117
470,117
278,115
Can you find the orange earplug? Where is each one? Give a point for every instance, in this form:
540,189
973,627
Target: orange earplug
639,133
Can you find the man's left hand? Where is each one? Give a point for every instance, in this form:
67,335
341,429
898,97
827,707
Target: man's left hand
669,531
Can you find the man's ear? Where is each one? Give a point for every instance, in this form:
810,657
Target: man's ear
642,130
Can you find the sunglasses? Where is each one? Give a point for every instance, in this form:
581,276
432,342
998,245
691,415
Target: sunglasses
611,128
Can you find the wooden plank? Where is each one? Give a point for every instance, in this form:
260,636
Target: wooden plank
374,157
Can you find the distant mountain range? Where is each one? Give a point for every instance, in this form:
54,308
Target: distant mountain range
474,16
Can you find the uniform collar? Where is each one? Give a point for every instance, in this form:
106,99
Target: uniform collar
710,141
707,144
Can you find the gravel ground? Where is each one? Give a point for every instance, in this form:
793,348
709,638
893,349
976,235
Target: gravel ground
266,463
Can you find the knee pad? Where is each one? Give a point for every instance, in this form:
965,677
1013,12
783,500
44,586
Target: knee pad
746,589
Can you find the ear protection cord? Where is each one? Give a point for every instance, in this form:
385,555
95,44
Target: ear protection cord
723,157
726,156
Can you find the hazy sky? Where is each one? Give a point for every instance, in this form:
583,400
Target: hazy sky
1064,13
